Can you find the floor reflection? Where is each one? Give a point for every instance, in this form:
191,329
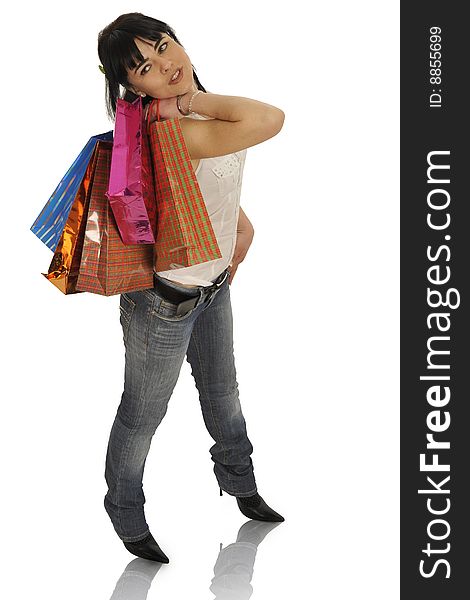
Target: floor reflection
136,580
233,569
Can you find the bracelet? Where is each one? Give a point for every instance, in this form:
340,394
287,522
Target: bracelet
178,105
192,98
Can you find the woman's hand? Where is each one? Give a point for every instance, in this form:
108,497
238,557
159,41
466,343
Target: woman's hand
168,108
245,233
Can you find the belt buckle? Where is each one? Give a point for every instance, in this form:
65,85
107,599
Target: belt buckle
224,278
215,288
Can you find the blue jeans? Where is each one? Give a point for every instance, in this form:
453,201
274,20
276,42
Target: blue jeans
156,341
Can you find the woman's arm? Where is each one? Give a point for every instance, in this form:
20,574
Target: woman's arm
237,123
244,223
245,233
234,123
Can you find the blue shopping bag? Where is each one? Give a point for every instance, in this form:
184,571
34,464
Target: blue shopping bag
51,221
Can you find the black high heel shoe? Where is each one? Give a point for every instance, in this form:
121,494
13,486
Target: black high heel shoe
261,512
254,507
147,548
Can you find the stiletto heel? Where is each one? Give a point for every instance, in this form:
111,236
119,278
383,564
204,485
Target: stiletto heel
220,490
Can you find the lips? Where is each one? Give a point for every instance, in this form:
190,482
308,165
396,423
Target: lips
179,76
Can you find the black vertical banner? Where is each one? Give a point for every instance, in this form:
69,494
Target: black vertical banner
435,301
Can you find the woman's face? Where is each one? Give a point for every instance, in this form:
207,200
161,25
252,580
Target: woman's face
153,76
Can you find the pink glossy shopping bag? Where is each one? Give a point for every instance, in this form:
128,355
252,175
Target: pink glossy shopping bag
131,192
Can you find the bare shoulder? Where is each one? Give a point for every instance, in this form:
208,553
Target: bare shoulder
208,138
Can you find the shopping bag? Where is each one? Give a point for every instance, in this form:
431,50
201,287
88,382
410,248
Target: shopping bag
50,222
130,191
185,235
63,270
107,265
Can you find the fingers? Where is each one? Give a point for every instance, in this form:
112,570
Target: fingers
233,270
146,109
153,112
152,106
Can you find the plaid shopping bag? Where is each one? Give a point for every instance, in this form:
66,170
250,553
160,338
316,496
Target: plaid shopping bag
107,265
50,222
185,235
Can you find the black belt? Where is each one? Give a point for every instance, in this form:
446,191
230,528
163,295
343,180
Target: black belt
181,298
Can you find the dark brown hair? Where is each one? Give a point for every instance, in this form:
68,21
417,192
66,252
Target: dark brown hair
118,52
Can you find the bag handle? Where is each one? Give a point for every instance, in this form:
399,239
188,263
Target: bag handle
157,100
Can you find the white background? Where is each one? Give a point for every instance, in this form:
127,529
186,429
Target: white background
315,305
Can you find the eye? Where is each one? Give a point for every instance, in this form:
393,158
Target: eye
143,72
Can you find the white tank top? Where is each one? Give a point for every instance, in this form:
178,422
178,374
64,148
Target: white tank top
220,180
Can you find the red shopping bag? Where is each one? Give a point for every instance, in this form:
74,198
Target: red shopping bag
185,235
107,265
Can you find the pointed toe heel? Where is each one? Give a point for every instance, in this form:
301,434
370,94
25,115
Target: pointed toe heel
147,548
262,512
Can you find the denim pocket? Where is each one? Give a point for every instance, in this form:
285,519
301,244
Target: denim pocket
166,310
126,308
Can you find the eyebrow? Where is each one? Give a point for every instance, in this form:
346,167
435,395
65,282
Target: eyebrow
157,43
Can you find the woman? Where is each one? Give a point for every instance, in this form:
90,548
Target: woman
188,312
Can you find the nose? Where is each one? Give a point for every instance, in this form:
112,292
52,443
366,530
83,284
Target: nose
165,66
